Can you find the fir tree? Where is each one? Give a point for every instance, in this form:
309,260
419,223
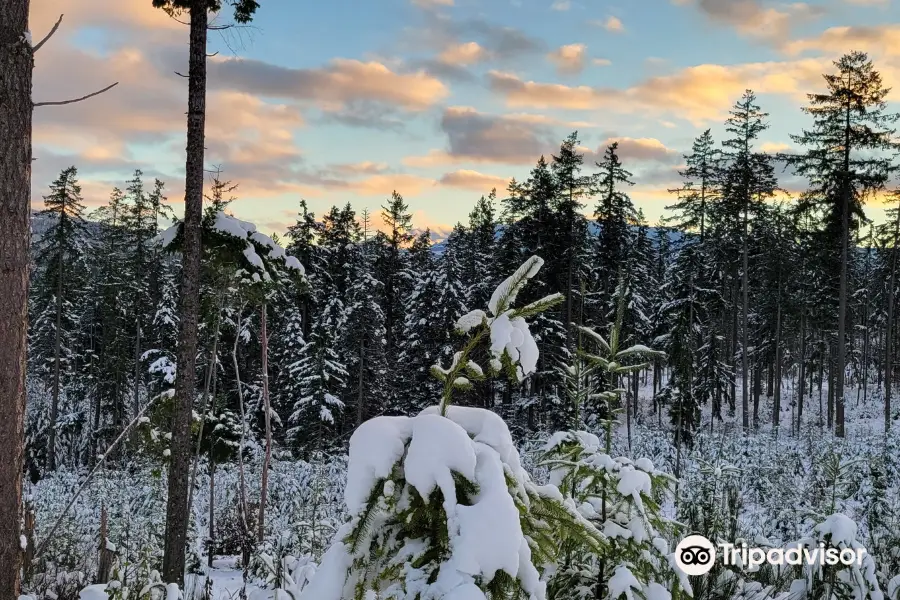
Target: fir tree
842,161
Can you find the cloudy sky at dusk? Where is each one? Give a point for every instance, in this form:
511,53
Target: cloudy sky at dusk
441,100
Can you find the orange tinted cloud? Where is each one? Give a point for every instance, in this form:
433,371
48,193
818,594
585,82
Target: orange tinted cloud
383,185
881,39
640,149
700,94
753,19
473,180
132,14
464,54
570,58
613,24
773,147
342,81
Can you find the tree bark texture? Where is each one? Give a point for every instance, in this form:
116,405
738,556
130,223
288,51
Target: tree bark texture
177,510
16,65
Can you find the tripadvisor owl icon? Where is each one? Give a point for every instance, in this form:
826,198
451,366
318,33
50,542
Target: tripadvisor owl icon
695,555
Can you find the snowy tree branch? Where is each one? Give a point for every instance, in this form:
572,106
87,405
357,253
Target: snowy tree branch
48,36
74,100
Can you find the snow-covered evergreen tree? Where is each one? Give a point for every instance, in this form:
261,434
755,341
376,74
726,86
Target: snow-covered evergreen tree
363,340
440,505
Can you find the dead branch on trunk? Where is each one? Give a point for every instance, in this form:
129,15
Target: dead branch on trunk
48,36
74,100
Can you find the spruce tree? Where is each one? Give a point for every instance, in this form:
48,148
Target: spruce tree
573,188
365,334
614,215
701,186
398,221
748,181
60,255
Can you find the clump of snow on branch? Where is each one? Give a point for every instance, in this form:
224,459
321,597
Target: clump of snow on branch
262,254
511,342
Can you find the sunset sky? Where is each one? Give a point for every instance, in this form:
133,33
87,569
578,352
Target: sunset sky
441,100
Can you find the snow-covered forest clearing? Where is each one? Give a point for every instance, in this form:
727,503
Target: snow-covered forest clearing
538,406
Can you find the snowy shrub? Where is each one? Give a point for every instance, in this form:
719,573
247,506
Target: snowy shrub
841,582
283,574
442,508
624,499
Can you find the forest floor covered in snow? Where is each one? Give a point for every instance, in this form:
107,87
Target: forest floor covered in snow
781,483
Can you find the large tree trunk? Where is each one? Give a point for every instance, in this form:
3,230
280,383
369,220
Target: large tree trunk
888,330
745,309
177,510
842,292
16,62
57,343
267,406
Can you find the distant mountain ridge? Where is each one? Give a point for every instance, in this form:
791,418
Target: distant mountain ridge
440,243
40,224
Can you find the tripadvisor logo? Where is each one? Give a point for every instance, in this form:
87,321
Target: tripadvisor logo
696,555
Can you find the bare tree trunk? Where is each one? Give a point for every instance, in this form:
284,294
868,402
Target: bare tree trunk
360,400
177,511
757,390
776,413
802,374
136,399
245,533
212,480
831,386
267,405
16,62
210,373
106,557
57,343
28,558
211,544
745,389
889,327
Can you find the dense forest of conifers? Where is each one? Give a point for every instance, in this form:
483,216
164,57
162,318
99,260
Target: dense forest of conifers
748,292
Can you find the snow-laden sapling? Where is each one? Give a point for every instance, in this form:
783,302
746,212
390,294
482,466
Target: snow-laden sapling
856,581
620,496
440,505
623,498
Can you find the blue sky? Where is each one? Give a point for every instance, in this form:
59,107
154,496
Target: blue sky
345,101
